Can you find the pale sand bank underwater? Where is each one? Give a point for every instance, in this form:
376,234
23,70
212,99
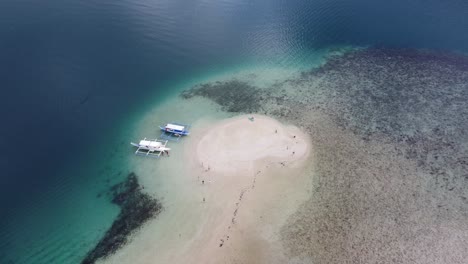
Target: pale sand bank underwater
386,175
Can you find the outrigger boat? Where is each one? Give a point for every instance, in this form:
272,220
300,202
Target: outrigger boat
174,131
154,147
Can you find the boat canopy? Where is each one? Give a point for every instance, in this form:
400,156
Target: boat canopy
175,127
151,147
149,143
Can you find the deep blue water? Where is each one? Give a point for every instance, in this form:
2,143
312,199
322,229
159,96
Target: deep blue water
72,71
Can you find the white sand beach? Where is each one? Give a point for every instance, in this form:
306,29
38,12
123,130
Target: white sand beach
232,185
250,168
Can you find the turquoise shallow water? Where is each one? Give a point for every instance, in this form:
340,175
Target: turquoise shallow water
77,75
67,221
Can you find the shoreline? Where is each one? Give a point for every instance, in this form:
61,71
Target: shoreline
232,200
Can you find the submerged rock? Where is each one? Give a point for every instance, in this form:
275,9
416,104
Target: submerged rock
414,98
232,96
136,208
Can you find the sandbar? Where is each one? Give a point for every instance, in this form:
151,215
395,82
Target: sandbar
239,180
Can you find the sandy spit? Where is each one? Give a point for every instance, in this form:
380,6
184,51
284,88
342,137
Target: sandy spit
234,186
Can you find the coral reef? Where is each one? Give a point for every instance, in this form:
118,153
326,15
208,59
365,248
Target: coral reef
136,208
232,95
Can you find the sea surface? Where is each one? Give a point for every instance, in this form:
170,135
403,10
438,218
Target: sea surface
75,75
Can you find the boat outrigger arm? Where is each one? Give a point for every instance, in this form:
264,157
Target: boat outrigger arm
152,148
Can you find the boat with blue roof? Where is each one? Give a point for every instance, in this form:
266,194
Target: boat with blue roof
174,131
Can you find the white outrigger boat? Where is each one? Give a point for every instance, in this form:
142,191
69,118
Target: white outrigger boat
174,131
153,148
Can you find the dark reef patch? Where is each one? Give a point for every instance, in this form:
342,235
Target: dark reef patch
397,91
232,96
416,98
401,181
136,208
